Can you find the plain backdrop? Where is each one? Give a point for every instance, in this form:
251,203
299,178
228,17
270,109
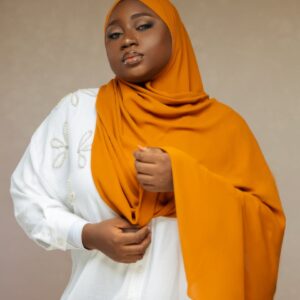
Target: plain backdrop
248,54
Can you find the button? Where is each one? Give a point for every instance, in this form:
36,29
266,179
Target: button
71,197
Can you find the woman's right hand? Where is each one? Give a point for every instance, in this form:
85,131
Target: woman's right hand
110,238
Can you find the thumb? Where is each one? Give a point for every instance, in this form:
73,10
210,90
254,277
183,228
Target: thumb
123,223
143,148
151,149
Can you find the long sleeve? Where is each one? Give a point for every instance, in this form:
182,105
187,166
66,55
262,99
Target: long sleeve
39,209
75,234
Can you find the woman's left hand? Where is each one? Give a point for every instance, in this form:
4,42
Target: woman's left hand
154,169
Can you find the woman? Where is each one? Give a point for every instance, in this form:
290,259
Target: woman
175,199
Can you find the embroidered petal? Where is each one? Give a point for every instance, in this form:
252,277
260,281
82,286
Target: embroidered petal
74,100
57,144
84,139
59,160
81,160
85,148
90,92
66,132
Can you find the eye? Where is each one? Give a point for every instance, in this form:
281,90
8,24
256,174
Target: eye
114,35
144,26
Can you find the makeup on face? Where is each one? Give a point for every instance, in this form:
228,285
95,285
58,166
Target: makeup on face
138,43
132,58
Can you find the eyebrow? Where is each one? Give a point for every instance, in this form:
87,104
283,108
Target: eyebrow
134,16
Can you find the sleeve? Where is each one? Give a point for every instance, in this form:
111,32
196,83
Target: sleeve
38,208
231,223
75,234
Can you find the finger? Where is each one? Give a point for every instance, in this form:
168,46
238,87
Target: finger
138,249
129,238
142,234
148,156
151,149
124,226
121,222
144,168
143,148
131,259
145,179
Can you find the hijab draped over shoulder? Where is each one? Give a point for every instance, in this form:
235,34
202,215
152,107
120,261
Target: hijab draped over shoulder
230,218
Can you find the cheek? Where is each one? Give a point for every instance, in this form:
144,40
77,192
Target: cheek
112,55
159,47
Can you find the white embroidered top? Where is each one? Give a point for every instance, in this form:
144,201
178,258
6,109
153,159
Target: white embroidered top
54,197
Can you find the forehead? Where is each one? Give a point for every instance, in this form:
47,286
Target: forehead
126,8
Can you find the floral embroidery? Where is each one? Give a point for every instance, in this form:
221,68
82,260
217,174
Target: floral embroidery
61,145
91,92
83,146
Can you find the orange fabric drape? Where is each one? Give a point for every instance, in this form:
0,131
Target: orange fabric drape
230,218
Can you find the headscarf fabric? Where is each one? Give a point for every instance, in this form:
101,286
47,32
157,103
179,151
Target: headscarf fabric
230,219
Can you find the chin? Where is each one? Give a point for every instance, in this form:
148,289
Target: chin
141,78
137,74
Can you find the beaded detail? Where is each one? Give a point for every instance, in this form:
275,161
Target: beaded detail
61,145
71,195
84,146
74,100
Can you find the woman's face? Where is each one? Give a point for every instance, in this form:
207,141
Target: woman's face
138,43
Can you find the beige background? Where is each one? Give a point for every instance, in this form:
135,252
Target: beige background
248,52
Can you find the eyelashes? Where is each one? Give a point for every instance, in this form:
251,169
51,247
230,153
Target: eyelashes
114,35
143,27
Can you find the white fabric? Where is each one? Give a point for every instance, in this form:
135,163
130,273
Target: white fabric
75,234
54,197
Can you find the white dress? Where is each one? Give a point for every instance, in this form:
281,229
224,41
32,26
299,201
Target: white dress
54,197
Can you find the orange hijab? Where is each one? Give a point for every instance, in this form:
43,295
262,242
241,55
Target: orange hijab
230,218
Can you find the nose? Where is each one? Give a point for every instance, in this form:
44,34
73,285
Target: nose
128,41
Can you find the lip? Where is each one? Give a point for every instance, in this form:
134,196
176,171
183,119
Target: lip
129,56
